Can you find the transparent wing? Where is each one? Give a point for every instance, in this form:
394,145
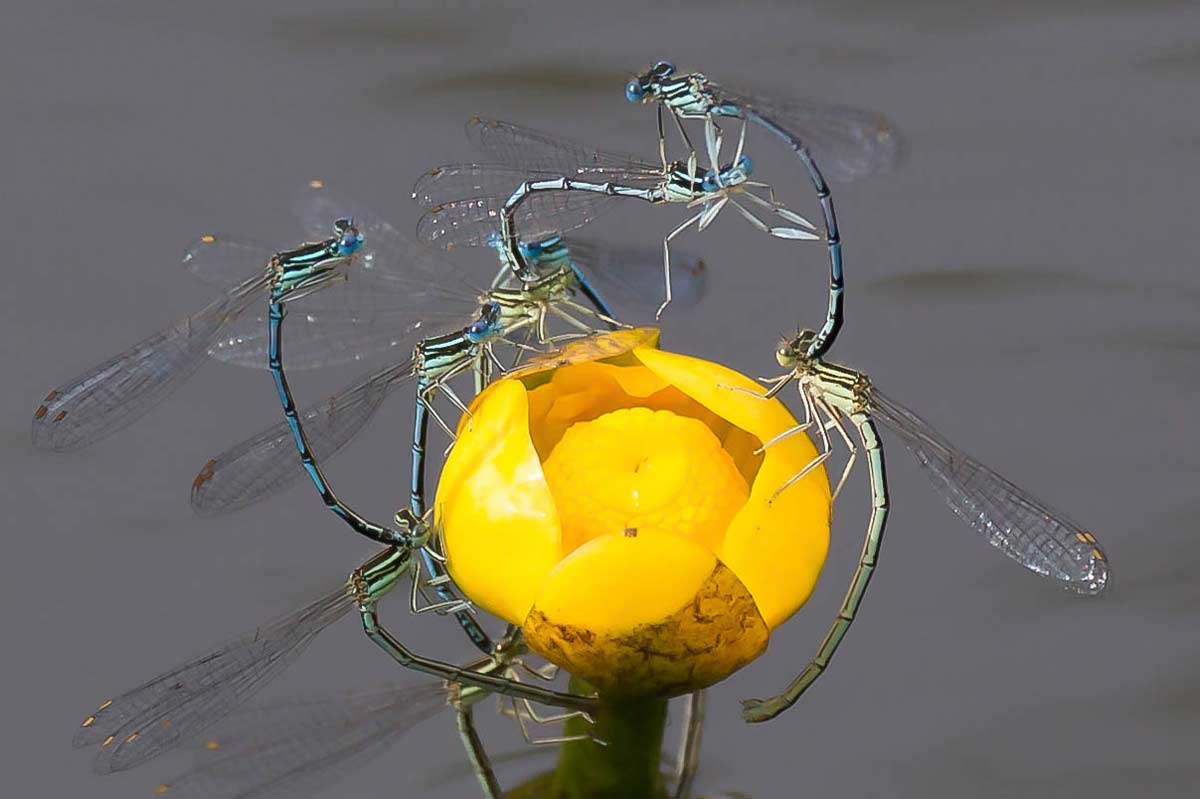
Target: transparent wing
473,221
449,182
397,271
393,293
297,749
847,143
268,462
634,275
159,714
1021,526
117,392
224,262
536,150
458,216
317,337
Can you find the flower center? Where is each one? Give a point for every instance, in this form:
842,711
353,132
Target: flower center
642,472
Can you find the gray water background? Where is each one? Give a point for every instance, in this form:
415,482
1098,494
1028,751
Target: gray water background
1027,280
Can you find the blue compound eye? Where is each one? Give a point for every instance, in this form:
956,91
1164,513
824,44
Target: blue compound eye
350,242
745,164
477,329
634,91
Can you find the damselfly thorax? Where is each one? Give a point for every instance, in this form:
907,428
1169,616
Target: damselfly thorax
848,389
295,273
690,97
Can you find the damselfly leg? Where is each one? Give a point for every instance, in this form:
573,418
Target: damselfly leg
448,671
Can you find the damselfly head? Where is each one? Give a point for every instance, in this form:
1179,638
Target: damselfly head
509,647
408,522
731,175
546,253
486,326
645,87
791,352
349,237
533,250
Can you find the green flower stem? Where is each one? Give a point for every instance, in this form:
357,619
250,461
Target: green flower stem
627,768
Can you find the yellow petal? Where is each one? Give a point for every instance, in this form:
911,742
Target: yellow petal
496,513
651,471
775,547
651,615
585,391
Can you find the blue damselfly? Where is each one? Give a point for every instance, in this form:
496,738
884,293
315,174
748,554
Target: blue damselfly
121,390
340,327
545,185
847,143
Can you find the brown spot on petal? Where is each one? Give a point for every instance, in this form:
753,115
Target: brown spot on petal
708,639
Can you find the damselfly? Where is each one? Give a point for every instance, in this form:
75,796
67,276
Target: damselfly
299,747
1018,524
122,389
548,185
848,143
265,463
179,704
291,749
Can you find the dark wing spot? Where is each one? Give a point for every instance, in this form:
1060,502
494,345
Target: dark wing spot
205,475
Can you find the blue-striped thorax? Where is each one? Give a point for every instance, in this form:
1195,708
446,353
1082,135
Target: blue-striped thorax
297,272
541,257
687,95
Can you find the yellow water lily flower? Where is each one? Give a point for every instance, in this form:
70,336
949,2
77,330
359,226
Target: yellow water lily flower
613,502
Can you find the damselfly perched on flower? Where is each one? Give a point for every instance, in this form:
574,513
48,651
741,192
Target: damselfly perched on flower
1021,526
